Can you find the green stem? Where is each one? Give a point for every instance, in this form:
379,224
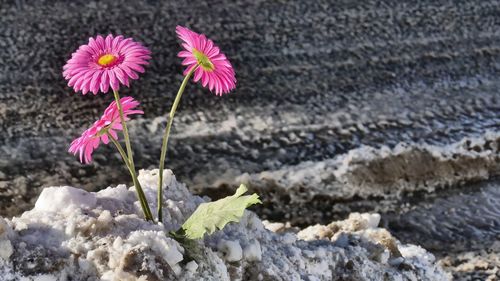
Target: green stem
125,129
144,203
120,149
165,142
131,167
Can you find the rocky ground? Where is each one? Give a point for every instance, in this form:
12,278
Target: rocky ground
319,82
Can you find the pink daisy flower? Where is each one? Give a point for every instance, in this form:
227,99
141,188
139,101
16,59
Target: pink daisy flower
105,62
213,68
109,122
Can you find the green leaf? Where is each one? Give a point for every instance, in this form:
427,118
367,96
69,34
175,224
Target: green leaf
215,215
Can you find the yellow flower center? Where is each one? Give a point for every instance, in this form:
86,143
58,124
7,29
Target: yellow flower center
106,60
203,60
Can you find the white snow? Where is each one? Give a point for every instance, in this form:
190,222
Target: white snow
77,235
231,249
375,171
252,251
6,249
161,245
192,266
64,198
372,220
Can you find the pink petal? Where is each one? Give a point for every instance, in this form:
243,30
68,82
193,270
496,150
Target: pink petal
185,54
222,78
115,43
188,61
197,74
94,83
188,69
100,42
83,72
129,71
115,85
109,40
136,67
121,76
105,139
104,82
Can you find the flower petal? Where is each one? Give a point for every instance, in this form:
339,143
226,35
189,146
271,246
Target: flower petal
221,78
84,72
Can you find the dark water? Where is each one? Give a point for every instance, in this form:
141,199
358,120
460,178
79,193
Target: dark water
466,217
460,226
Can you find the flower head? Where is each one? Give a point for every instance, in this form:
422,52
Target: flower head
212,67
108,123
105,62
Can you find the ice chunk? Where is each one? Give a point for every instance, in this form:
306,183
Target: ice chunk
231,249
57,199
372,220
253,251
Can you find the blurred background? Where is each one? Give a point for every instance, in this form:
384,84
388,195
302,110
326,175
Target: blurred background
320,84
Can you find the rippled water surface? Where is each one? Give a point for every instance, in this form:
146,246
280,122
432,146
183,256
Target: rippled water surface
456,219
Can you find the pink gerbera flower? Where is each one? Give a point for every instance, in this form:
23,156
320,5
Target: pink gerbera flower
105,62
108,123
212,67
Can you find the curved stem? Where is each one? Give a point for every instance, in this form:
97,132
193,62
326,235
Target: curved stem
120,150
164,144
131,167
125,129
143,202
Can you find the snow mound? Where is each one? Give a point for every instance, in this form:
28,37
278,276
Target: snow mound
72,234
378,172
374,179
